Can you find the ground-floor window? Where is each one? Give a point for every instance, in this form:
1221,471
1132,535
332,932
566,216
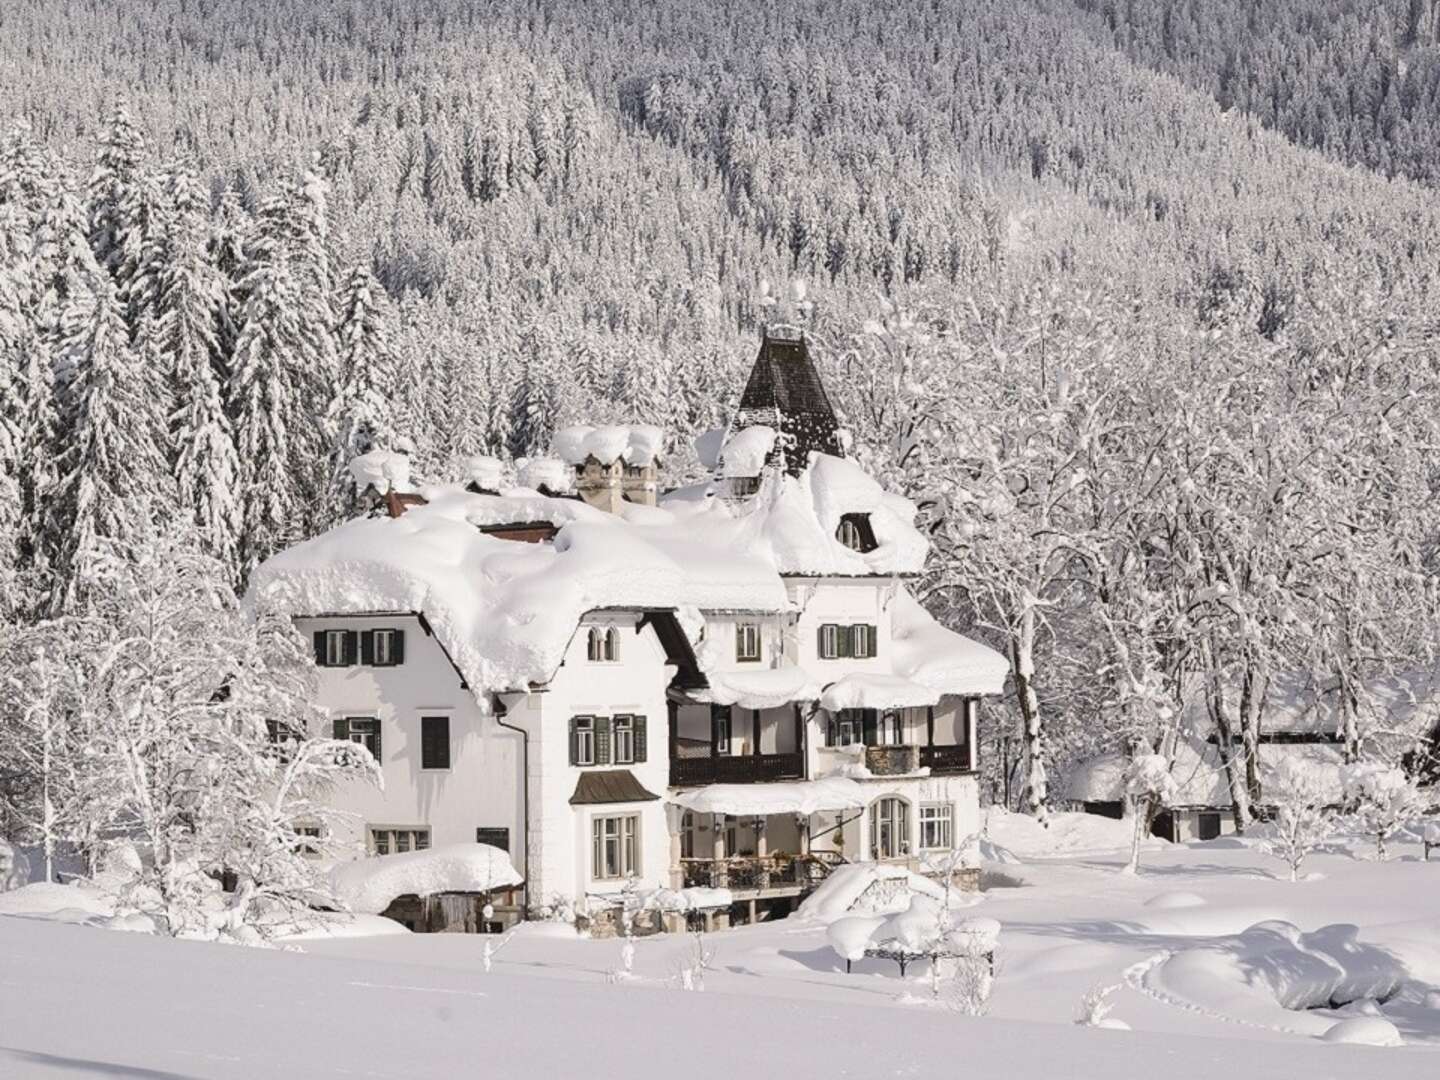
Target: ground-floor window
1208,824
615,847
392,841
687,835
936,826
889,828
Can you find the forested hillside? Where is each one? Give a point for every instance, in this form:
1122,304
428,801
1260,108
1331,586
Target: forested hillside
1161,378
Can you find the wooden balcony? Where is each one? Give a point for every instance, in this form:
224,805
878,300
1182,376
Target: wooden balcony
736,769
945,759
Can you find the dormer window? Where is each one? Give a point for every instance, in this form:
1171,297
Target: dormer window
855,533
602,644
747,642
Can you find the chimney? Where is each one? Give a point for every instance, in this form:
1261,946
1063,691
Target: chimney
613,465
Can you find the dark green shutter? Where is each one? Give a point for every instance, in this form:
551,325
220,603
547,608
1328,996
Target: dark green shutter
367,647
319,648
640,756
820,641
397,646
602,740
842,641
342,729
379,758
352,647
574,743
739,641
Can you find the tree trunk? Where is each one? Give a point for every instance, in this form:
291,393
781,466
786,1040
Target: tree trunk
1023,659
1234,769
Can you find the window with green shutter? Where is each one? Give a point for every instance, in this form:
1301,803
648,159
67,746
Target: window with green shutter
641,756
582,740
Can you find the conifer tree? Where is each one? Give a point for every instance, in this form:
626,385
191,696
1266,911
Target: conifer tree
112,437
191,300
359,417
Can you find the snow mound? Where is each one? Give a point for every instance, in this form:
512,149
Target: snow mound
1275,975
485,472
1364,1031
694,898
61,903
866,889
371,885
1063,834
635,444
549,474
1171,901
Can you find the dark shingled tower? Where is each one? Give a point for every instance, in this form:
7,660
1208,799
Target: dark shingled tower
785,392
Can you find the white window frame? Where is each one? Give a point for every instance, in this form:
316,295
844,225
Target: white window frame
584,740
395,839
614,847
937,819
890,729
747,642
602,645
382,656
723,734
861,632
367,736
622,740
335,648
612,644
894,822
830,641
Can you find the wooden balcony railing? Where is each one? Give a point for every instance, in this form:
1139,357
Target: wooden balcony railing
945,759
737,769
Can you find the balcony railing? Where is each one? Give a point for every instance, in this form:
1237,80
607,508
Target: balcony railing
945,759
737,769
742,872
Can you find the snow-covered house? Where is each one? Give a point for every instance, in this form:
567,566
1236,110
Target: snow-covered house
728,686
1300,720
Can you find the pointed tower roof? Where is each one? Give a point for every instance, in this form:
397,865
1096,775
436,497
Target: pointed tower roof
784,391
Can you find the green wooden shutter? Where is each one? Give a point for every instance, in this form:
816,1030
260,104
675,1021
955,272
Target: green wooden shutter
820,641
874,641
397,647
379,756
602,740
342,729
574,743
842,641
639,728
352,647
367,647
319,638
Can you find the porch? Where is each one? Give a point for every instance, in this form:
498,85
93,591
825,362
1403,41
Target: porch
724,744
901,740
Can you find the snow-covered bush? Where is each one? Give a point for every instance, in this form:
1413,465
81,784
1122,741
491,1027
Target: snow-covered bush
1149,784
1381,797
1095,1006
1303,819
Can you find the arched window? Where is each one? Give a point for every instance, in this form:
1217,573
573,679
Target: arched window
889,828
602,644
849,535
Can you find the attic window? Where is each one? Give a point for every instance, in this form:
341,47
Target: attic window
602,644
855,533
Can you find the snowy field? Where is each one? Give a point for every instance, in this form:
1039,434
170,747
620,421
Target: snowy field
1218,963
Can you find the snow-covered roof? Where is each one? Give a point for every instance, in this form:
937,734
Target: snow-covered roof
793,521
506,611
371,885
1405,703
759,688
793,797
1199,774
744,453
635,444
864,691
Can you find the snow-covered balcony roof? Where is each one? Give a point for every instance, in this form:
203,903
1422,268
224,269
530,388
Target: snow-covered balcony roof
794,797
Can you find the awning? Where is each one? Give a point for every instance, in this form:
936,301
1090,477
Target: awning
609,786
876,692
795,797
